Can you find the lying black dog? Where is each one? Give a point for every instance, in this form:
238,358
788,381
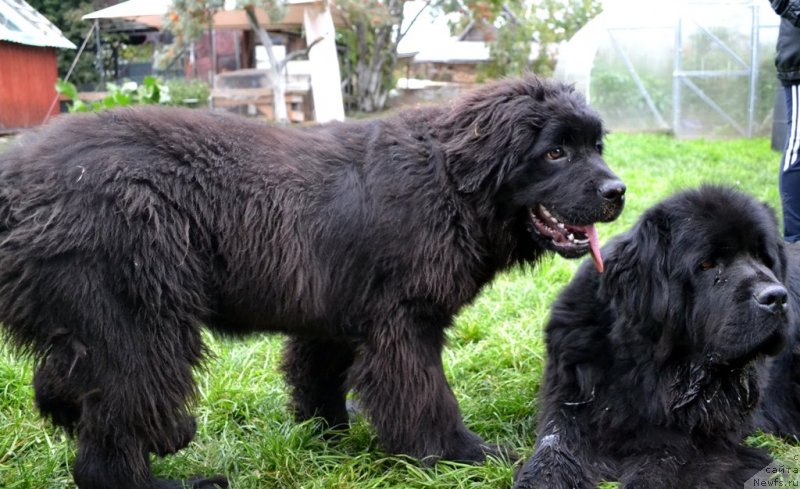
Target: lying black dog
654,366
779,408
123,233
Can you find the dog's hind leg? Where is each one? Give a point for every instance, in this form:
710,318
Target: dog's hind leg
730,465
136,405
58,381
119,374
59,385
316,370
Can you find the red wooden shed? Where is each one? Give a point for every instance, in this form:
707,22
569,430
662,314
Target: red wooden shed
28,67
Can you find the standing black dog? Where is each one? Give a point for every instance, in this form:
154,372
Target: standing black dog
655,366
123,233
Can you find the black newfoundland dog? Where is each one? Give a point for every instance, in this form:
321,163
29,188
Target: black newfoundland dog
656,367
123,233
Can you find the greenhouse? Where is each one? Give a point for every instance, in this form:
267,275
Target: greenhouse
695,69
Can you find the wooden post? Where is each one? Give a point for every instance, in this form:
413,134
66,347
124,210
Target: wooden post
326,80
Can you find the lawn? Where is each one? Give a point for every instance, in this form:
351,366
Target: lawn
494,361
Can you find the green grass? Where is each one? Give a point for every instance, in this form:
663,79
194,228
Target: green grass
494,361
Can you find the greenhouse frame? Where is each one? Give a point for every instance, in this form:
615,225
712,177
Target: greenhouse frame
695,69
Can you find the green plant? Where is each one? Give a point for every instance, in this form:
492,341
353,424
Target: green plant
373,29
186,92
517,24
148,92
616,96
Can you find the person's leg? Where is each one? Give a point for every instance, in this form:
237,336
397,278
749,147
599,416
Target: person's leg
789,181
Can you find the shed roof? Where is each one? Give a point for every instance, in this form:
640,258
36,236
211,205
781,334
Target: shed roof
22,24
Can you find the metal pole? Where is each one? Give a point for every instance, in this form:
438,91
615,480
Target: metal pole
193,60
676,80
237,48
754,61
638,81
98,57
713,105
213,50
69,72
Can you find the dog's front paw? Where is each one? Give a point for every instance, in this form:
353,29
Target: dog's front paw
215,482
500,452
461,446
467,447
550,480
552,467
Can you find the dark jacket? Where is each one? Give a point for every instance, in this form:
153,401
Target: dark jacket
787,52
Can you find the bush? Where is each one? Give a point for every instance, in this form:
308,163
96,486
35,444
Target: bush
175,92
129,93
187,92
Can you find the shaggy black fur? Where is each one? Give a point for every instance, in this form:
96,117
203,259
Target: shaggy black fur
122,233
779,409
653,367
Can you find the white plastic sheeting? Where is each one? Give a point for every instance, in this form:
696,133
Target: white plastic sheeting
689,67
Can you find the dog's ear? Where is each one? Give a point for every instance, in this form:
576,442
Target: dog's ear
636,279
782,263
489,129
475,155
773,216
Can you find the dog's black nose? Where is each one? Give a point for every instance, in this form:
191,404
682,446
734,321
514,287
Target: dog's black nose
771,298
613,190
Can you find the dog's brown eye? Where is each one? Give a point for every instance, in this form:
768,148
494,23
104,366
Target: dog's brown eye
707,265
555,154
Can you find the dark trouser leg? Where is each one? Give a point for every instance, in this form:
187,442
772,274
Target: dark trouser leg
789,181
316,370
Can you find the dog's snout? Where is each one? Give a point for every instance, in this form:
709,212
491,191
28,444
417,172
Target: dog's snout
613,190
771,297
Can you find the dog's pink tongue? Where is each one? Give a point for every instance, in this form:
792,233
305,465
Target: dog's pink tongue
594,247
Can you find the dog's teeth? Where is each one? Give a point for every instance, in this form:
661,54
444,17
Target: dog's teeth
553,219
546,213
561,225
571,237
581,241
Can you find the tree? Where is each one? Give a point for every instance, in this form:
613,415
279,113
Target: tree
372,34
518,23
375,27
